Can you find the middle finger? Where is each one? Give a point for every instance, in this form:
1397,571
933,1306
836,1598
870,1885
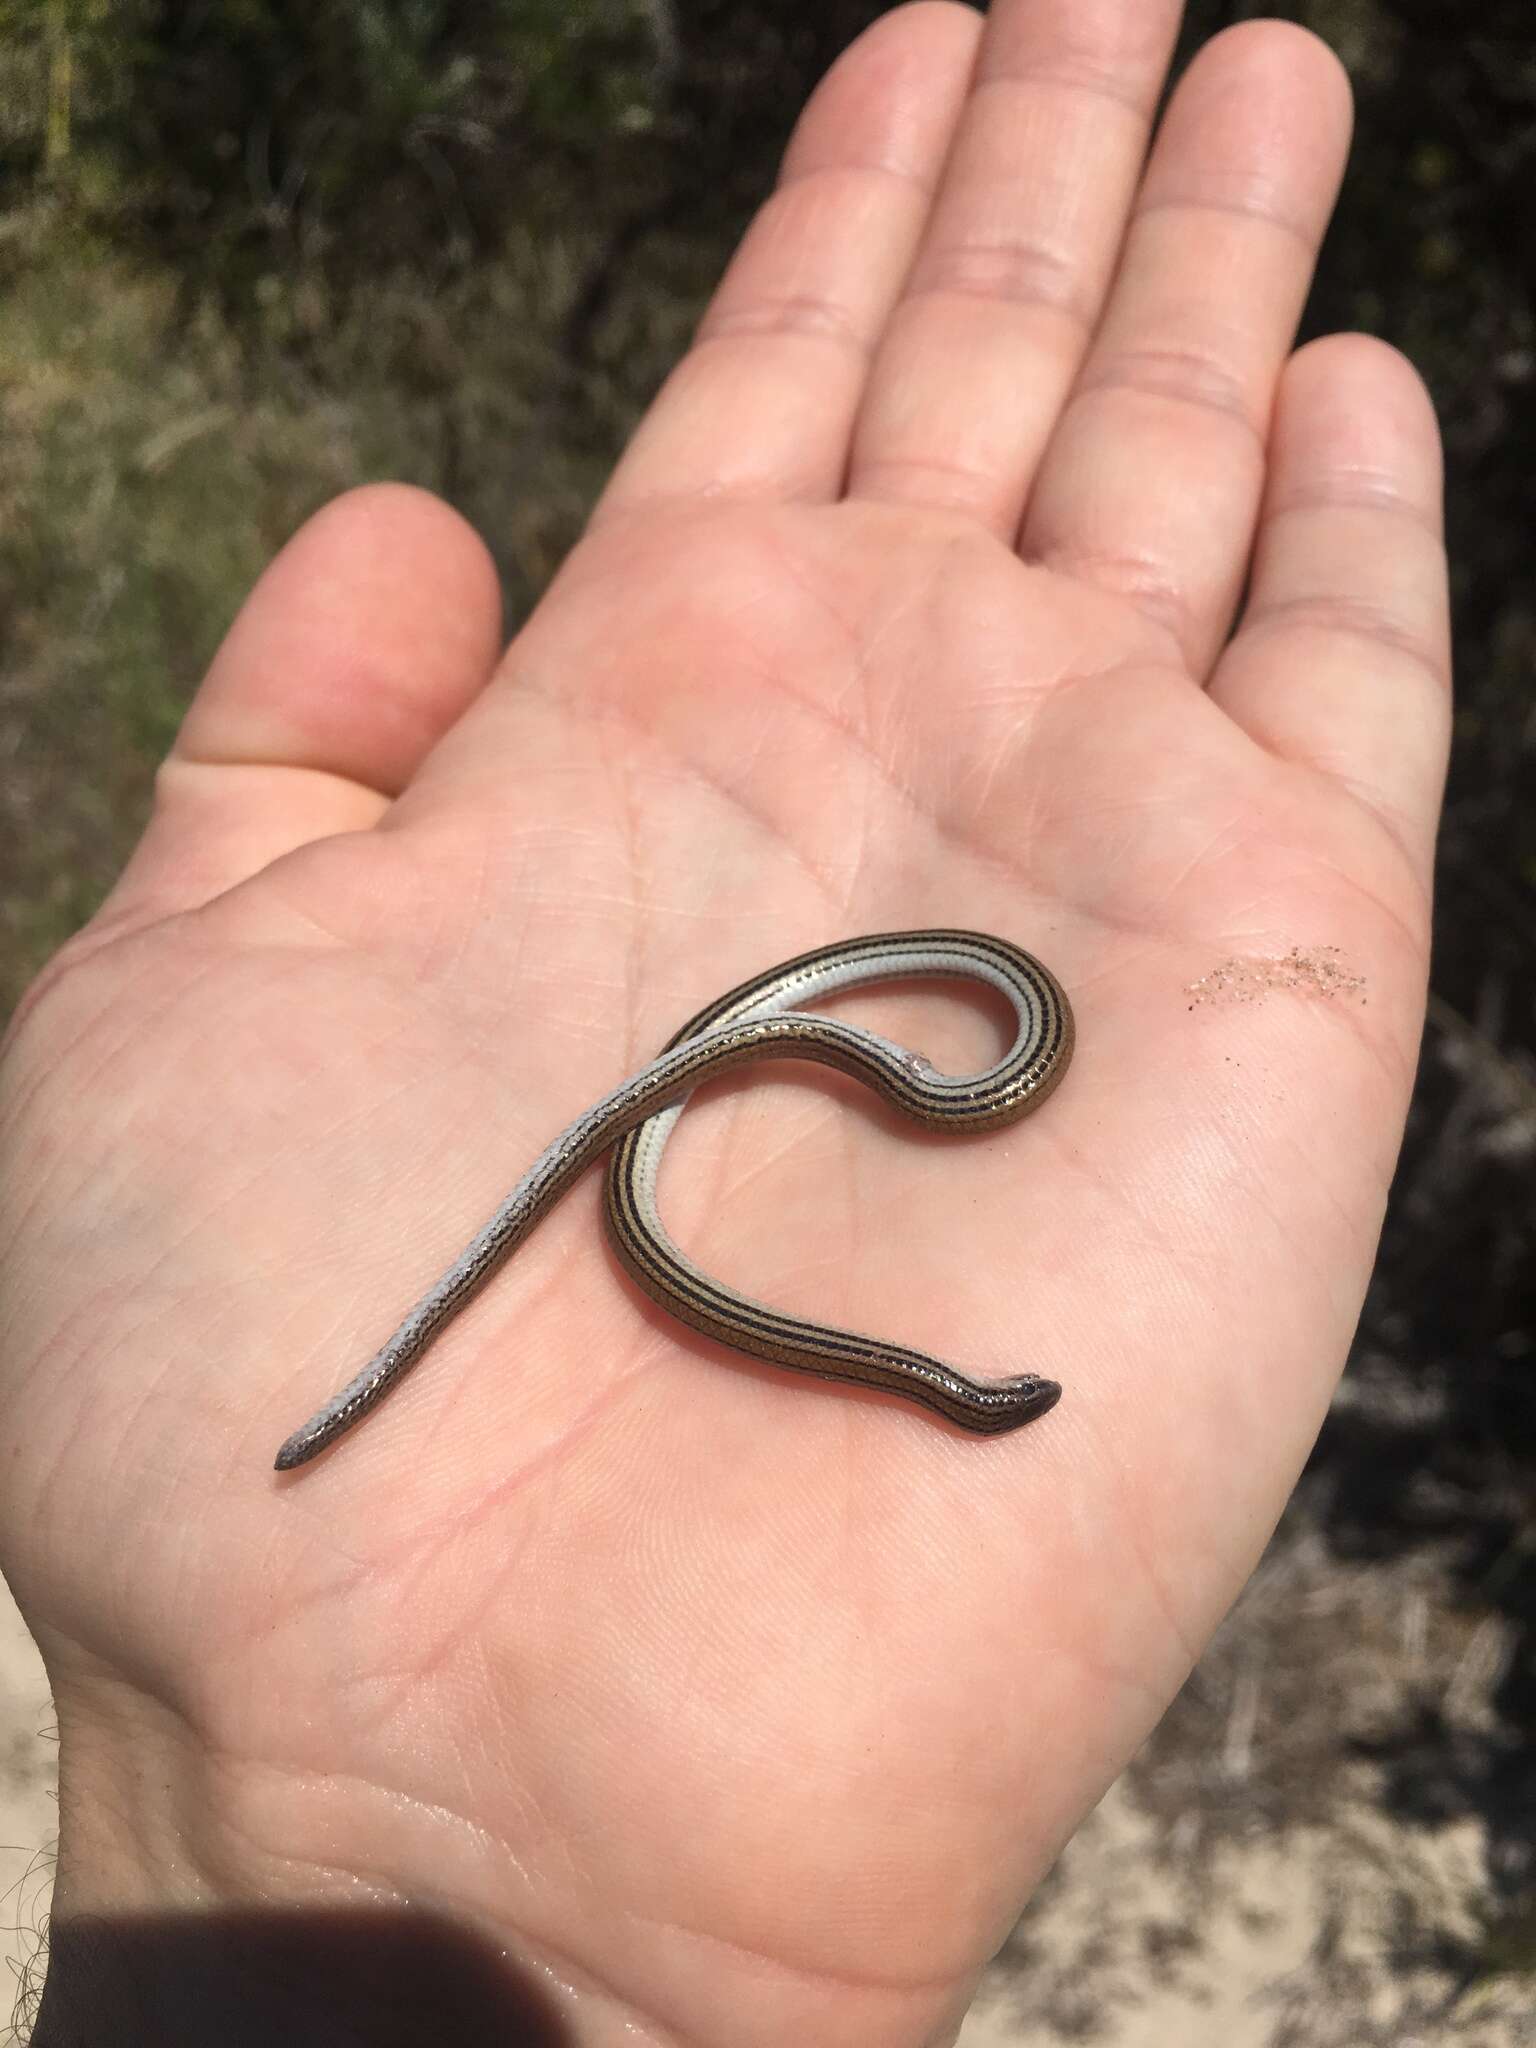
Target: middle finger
1013,267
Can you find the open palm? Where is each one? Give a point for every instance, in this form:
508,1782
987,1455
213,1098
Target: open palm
738,1708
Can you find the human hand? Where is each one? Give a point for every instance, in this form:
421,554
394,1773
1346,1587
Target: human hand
735,1708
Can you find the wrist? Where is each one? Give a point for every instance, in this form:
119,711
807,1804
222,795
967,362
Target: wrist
170,1926
310,1978
147,1816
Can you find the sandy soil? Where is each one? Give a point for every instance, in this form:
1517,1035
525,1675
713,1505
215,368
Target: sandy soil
27,1813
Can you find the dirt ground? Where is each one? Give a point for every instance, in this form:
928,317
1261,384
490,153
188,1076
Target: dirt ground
27,1814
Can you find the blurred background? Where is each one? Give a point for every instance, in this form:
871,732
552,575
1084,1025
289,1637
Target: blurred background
255,251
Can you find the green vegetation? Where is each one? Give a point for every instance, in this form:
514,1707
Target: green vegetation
202,340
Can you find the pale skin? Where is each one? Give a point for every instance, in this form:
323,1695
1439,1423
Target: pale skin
735,1708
